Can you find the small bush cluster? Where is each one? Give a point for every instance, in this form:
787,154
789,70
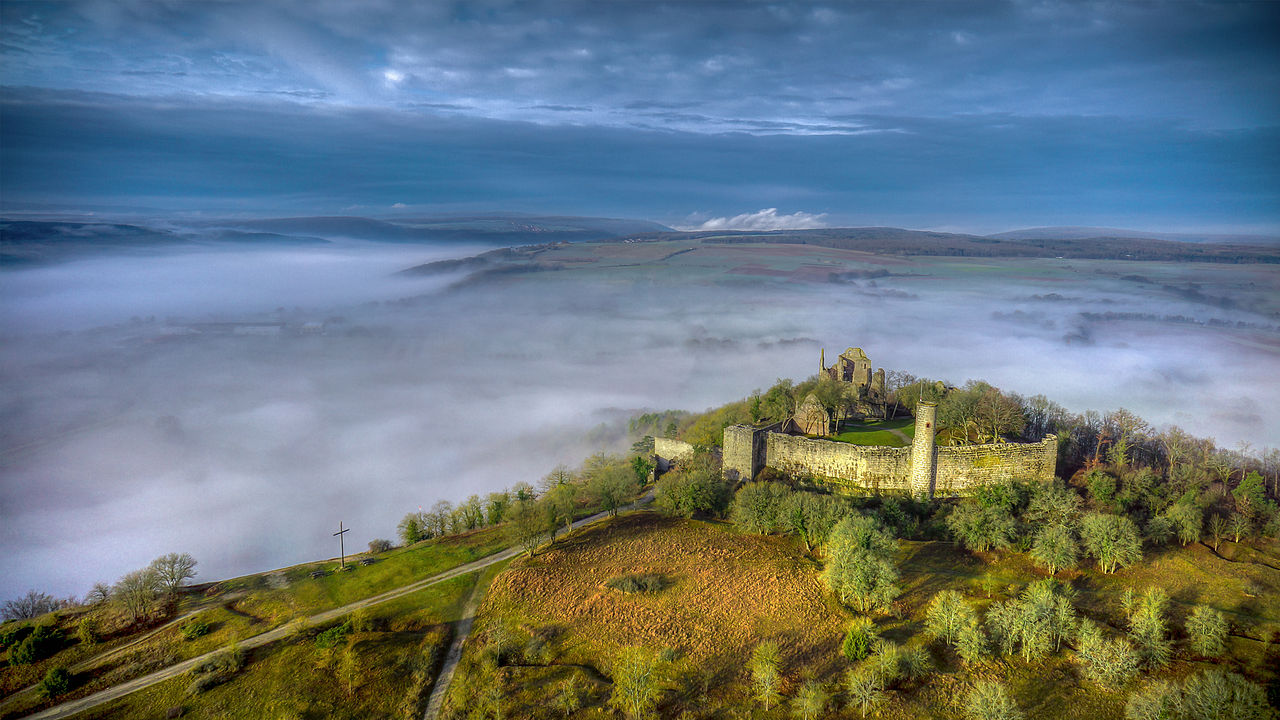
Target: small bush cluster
39,644
229,660
194,629
334,636
55,682
638,583
1211,695
216,670
14,635
88,632
859,639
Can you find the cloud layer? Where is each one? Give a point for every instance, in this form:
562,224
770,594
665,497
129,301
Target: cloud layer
766,219
789,67
971,172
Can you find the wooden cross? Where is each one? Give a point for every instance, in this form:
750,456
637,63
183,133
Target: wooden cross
342,545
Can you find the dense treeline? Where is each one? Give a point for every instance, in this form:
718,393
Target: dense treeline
534,516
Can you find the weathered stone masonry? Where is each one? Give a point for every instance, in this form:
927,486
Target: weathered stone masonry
855,467
922,468
668,450
963,467
744,449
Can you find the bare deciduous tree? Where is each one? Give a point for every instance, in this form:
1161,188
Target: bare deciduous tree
136,592
173,570
33,604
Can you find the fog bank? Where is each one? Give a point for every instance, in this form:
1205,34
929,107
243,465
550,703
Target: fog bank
335,390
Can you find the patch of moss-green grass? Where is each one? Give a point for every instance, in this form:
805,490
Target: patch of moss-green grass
293,592
874,437
876,432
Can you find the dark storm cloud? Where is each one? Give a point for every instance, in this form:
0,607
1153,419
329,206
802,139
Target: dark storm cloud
1113,95
979,170
1208,62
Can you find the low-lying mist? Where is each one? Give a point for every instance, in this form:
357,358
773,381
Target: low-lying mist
132,425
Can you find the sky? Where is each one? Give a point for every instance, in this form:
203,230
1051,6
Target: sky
971,116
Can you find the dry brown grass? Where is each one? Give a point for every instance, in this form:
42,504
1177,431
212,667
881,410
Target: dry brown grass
727,593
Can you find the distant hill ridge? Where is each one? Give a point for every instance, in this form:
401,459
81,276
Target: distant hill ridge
25,242
1088,233
924,242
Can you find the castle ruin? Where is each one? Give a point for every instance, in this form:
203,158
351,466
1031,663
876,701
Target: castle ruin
866,391
924,468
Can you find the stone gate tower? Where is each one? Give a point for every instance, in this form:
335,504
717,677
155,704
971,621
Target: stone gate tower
922,448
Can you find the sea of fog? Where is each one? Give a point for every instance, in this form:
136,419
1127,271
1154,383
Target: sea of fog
128,429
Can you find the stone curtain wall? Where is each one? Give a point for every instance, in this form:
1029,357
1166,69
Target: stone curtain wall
853,467
963,467
863,469
668,450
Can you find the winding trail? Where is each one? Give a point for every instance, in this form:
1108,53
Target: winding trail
900,435
114,692
441,689
460,633
93,661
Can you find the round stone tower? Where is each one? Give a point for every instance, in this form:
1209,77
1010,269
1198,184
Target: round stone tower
922,448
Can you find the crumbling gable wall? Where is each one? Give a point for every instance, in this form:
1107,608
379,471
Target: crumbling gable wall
812,418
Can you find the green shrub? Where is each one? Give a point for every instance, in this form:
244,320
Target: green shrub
43,641
55,682
637,583
1109,662
1160,700
1215,694
14,635
1207,629
334,636
87,631
858,641
1102,488
194,629
759,507
204,682
362,621
990,700
695,489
